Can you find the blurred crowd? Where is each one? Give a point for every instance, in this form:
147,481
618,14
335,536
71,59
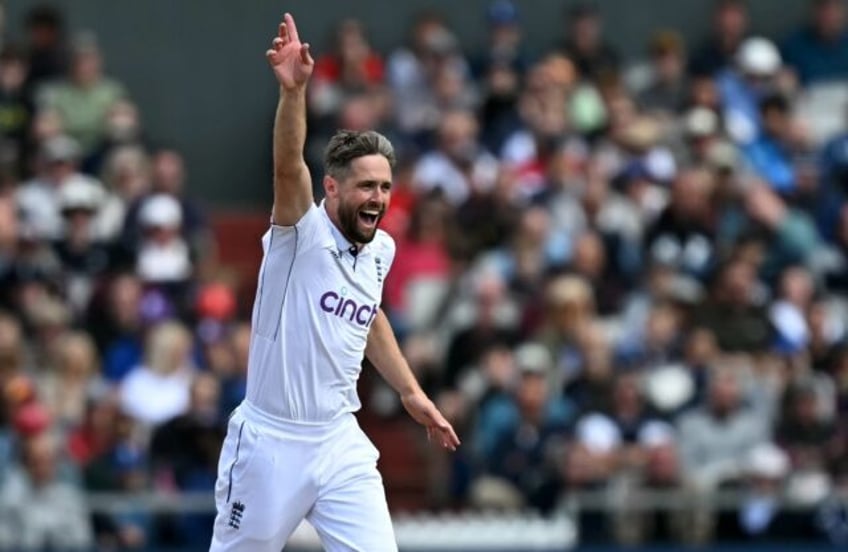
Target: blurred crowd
618,272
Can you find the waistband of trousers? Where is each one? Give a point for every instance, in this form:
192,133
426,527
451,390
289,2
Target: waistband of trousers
292,429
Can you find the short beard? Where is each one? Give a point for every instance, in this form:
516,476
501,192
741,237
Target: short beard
349,222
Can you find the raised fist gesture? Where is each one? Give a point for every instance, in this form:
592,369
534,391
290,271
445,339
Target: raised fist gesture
289,57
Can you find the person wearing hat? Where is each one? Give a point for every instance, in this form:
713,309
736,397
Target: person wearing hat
760,516
757,72
83,258
163,256
39,198
516,431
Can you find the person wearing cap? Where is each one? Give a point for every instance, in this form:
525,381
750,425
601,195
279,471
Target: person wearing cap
703,140
83,257
163,255
39,199
760,516
516,431
819,51
757,72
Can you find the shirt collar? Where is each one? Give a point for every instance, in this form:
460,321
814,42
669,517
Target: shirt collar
342,243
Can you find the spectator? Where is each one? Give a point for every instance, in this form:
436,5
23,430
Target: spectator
491,321
569,311
115,322
518,434
668,90
715,437
819,52
122,128
500,70
158,390
788,310
163,256
16,109
48,56
234,384
554,103
729,28
185,450
168,177
756,73
83,100
352,66
531,254
682,236
590,261
73,379
41,511
82,255
412,73
459,167
425,265
733,312
38,198
762,517
121,467
585,43
806,430
127,177
774,155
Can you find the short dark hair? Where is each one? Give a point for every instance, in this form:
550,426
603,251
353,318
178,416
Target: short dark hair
774,102
347,145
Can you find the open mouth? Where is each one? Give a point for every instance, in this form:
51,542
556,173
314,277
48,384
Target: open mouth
369,218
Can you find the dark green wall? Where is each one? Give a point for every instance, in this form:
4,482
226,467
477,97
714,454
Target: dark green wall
197,69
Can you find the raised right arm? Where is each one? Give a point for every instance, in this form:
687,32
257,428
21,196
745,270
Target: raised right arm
292,66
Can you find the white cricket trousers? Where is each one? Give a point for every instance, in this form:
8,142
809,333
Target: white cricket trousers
273,474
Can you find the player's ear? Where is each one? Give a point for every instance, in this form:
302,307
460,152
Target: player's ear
331,186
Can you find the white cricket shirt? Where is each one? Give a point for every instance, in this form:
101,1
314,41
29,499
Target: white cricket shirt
314,305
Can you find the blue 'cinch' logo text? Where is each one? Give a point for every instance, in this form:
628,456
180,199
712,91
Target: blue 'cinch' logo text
337,305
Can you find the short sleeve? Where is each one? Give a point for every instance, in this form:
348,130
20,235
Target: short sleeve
281,245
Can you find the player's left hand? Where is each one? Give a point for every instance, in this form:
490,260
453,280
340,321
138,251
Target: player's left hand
425,413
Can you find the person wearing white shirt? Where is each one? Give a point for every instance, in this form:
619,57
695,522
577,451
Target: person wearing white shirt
293,449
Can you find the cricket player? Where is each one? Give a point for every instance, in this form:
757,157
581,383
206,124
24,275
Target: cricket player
294,449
